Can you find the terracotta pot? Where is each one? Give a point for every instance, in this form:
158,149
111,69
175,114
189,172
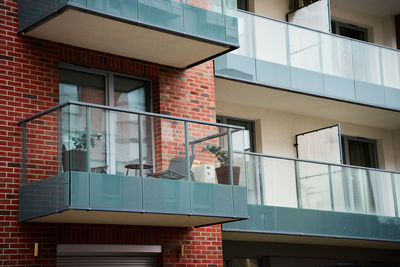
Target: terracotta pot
223,175
78,160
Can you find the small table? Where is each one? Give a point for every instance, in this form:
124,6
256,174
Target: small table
136,167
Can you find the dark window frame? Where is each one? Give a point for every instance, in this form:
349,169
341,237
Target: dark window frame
346,151
223,119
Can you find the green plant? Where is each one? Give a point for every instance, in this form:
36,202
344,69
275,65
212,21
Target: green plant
79,142
219,153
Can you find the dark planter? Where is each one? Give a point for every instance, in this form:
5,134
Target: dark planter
78,160
223,175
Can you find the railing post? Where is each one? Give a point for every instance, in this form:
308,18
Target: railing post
298,184
331,188
395,204
23,153
260,177
188,166
140,145
230,153
88,138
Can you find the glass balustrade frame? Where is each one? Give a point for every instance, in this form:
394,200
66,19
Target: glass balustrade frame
285,56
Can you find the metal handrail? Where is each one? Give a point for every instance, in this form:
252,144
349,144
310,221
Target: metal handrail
137,112
318,162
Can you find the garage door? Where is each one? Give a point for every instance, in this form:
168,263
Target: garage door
106,261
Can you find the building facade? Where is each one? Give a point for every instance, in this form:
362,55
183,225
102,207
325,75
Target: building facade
199,133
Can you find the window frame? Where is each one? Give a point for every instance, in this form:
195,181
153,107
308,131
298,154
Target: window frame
346,152
224,119
350,26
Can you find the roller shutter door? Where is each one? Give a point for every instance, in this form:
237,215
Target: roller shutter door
73,261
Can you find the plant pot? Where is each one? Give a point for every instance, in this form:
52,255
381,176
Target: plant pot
78,160
223,175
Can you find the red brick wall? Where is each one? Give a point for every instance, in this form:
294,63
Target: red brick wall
29,84
397,25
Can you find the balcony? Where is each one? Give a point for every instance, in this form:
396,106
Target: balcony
290,197
295,59
85,163
159,31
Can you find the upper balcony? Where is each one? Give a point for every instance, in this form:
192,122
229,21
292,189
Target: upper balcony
85,163
306,198
159,31
296,59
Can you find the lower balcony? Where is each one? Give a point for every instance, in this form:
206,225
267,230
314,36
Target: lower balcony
86,163
292,200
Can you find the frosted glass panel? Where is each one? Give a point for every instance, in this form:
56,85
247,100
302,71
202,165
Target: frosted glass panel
267,48
304,49
314,186
382,192
366,63
391,68
314,16
279,182
337,58
246,36
320,145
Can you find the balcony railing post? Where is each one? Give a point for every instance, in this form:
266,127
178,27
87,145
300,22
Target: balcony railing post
88,138
140,145
260,177
395,204
188,165
331,188
298,184
230,153
23,153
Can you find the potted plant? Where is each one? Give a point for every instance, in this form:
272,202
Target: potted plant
223,170
78,153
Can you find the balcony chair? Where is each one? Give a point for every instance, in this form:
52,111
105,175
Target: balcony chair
177,170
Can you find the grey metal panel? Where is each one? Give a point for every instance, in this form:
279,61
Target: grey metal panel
79,190
370,93
232,65
307,81
339,87
166,196
42,197
212,199
240,201
106,261
115,192
392,97
273,74
255,223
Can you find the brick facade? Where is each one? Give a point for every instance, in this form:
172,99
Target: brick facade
29,84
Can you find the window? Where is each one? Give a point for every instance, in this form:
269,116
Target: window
243,5
349,30
247,124
118,144
359,151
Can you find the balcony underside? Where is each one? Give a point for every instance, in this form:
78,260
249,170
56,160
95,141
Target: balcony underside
263,97
293,225
128,218
96,31
82,197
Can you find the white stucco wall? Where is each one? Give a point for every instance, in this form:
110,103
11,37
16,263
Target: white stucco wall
275,132
276,9
381,30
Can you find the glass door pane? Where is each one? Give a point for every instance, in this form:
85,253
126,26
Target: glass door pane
131,94
90,88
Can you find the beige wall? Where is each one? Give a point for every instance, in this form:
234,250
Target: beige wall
276,9
275,132
381,30
396,140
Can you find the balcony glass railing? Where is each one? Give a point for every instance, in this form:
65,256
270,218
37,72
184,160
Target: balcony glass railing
307,198
294,183
86,156
210,19
286,56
